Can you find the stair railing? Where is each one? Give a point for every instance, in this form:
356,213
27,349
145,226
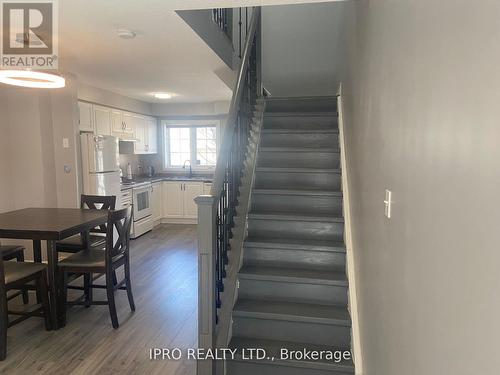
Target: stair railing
216,211
223,17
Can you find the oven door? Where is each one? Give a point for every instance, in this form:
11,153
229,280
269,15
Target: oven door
142,202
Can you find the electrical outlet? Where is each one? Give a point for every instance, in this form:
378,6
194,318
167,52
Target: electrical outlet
388,203
65,143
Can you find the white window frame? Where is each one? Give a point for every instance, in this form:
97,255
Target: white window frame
193,124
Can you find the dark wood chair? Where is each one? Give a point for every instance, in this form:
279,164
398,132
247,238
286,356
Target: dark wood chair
10,252
96,238
16,275
115,255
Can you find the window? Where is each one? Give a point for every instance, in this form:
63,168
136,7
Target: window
206,146
179,146
194,143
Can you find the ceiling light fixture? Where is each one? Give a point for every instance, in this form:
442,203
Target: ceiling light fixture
162,95
126,34
32,79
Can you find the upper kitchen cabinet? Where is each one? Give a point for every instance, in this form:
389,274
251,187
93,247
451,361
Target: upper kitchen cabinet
146,134
85,117
152,130
102,120
140,134
127,124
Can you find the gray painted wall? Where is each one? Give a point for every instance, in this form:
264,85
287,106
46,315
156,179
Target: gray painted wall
301,48
201,21
422,119
33,124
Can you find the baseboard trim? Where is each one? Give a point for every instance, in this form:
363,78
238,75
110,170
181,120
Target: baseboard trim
178,221
353,305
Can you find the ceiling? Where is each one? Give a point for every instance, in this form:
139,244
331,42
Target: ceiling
165,56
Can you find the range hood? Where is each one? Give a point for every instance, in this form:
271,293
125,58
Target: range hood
124,138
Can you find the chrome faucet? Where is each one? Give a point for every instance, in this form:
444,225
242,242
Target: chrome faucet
190,169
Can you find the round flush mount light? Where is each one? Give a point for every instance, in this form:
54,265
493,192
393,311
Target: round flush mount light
32,79
162,95
126,34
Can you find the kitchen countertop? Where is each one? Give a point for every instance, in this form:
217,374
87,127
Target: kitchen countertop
136,182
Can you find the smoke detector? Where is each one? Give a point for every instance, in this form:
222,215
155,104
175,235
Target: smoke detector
126,34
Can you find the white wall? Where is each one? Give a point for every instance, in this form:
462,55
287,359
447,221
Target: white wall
169,110
300,48
32,159
111,99
422,119
33,124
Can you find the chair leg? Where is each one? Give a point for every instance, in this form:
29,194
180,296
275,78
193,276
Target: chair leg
87,284
115,279
63,294
26,298
4,322
129,286
44,295
110,288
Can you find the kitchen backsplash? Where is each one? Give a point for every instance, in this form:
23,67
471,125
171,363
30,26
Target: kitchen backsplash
140,163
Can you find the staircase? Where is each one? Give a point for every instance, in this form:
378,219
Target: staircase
292,285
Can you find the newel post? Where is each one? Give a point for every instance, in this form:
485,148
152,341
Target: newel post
206,279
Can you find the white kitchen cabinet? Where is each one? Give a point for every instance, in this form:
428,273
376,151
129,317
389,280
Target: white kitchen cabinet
191,191
122,123
102,120
151,135
117,123
140,134
173,199
128,122
178,199
146,134
207,186
156,201
85,117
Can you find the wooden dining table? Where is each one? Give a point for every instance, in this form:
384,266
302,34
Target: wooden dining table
50,225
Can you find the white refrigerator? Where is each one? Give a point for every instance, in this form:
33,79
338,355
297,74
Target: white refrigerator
100,166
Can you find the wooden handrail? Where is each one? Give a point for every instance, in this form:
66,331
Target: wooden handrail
230,124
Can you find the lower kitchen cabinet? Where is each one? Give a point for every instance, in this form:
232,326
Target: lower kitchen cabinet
207,186
178,200
173,199
191,191
156,202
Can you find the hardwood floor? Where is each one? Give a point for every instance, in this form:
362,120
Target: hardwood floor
164,281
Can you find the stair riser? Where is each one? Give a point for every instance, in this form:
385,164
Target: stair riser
297,203
294,258
293,292
313,159
298,180
299,229
252,368
302,105
310,333
300,122
300,140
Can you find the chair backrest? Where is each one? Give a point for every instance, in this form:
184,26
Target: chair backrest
3,291
121,221
98,202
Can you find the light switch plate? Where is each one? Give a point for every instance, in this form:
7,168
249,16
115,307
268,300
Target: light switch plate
388,203
65,143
